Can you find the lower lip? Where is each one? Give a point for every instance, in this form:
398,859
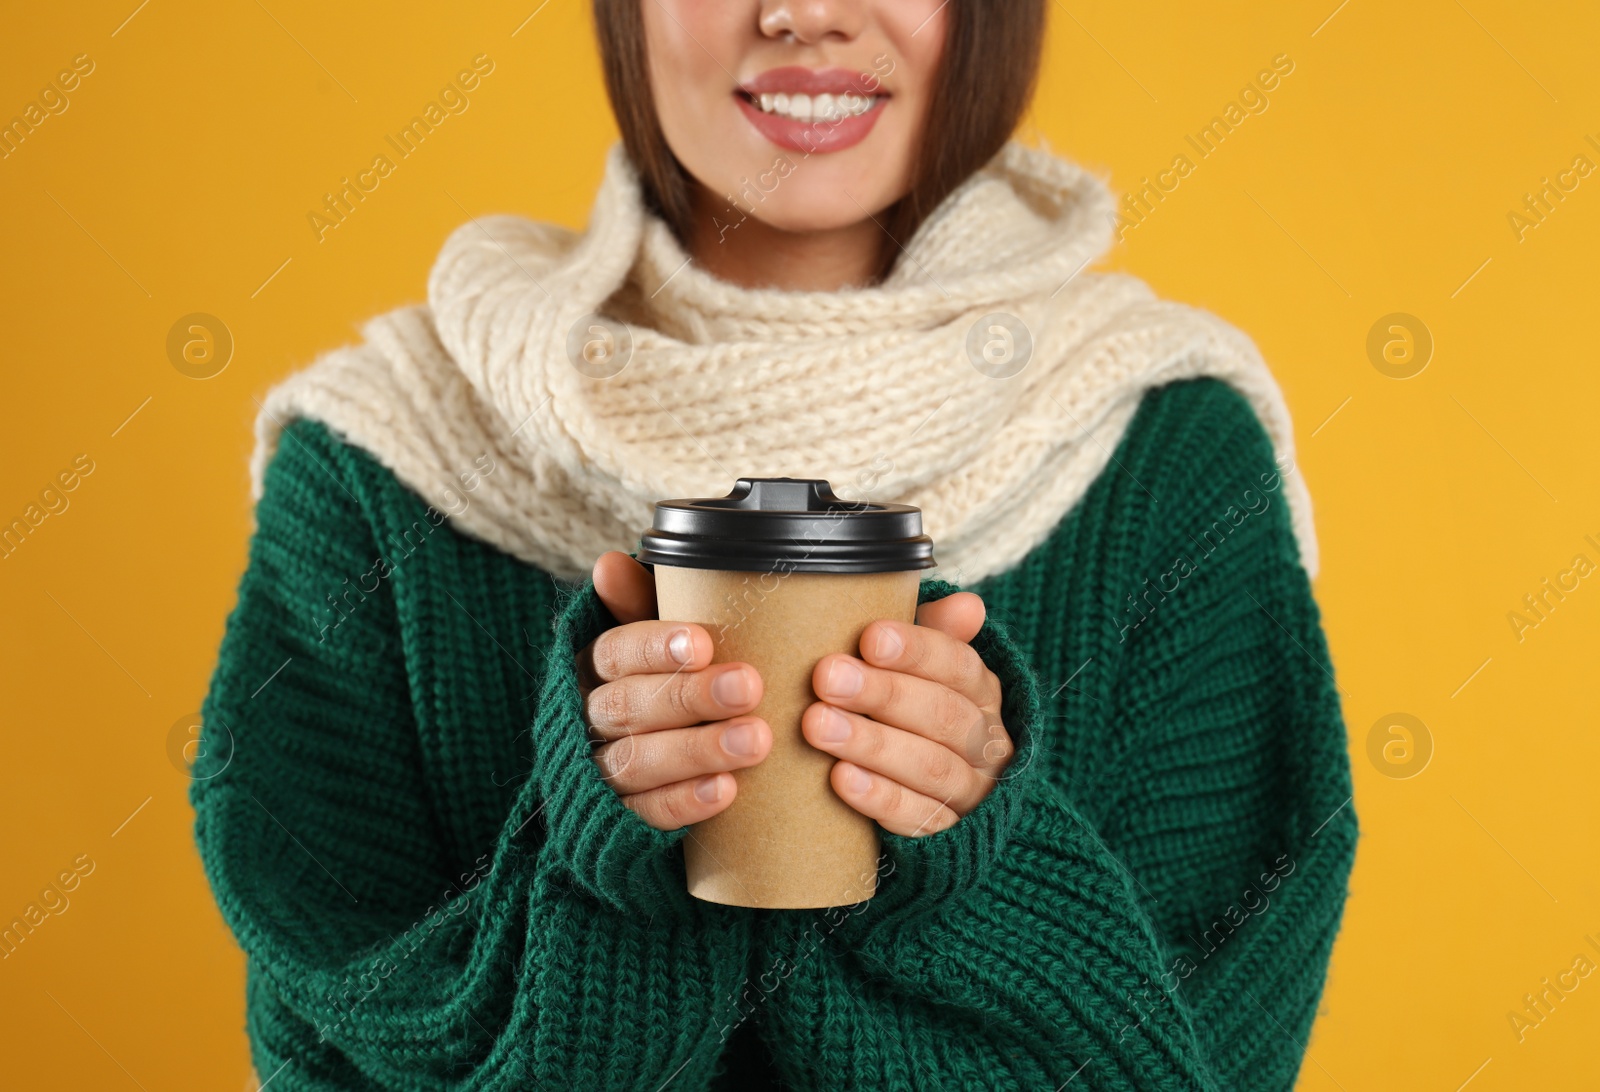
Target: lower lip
812,136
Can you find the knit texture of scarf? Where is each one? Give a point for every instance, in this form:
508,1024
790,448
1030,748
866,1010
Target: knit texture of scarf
871,388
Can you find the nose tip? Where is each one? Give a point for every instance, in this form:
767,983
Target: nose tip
811,21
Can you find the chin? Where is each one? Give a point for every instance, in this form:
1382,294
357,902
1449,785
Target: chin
793,193
802,216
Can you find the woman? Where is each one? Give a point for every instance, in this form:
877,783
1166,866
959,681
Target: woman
451,750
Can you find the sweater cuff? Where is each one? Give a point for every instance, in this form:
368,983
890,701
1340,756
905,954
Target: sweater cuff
921,878
609,851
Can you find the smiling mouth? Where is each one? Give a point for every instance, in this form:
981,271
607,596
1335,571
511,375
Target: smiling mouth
813,110
809,108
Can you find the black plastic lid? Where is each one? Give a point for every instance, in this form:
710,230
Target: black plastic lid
787,524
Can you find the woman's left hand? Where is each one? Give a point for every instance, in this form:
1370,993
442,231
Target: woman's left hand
916,725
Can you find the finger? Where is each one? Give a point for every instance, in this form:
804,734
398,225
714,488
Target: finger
647,703
685,803
930,709
931,653
960,615
896,808
626,587
643,648
904,757
648,760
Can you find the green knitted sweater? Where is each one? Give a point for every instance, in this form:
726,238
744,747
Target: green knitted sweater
398,813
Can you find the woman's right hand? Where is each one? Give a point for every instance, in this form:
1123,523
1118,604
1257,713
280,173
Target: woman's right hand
666,720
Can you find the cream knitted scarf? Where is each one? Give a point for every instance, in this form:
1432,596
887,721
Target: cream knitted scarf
474,400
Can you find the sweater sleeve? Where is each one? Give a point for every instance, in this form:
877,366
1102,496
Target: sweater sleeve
1149,897
568,953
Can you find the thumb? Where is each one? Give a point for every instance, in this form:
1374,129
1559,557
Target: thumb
960,615
627,588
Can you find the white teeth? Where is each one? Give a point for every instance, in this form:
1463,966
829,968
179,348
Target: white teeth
823,107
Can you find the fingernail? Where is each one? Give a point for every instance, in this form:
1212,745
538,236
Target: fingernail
740,739
856,780
889,644
709,790
681,646
731,688
835,727
844,679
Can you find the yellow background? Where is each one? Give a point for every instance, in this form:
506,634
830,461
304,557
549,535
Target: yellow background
1379,180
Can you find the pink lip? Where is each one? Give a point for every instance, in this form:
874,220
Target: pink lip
813,136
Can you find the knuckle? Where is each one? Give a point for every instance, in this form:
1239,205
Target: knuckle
681,700
607,655
692,747
951,712
673,808
611,706
614,759
873,741
939,771
895,692
644,760
970,671
896,800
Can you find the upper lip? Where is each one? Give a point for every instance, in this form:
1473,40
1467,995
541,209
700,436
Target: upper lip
795,80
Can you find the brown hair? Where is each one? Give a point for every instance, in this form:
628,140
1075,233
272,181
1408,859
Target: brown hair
986,76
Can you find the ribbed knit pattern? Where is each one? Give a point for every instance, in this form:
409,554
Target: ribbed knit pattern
435,889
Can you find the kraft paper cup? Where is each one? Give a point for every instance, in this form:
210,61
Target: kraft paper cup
752,568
